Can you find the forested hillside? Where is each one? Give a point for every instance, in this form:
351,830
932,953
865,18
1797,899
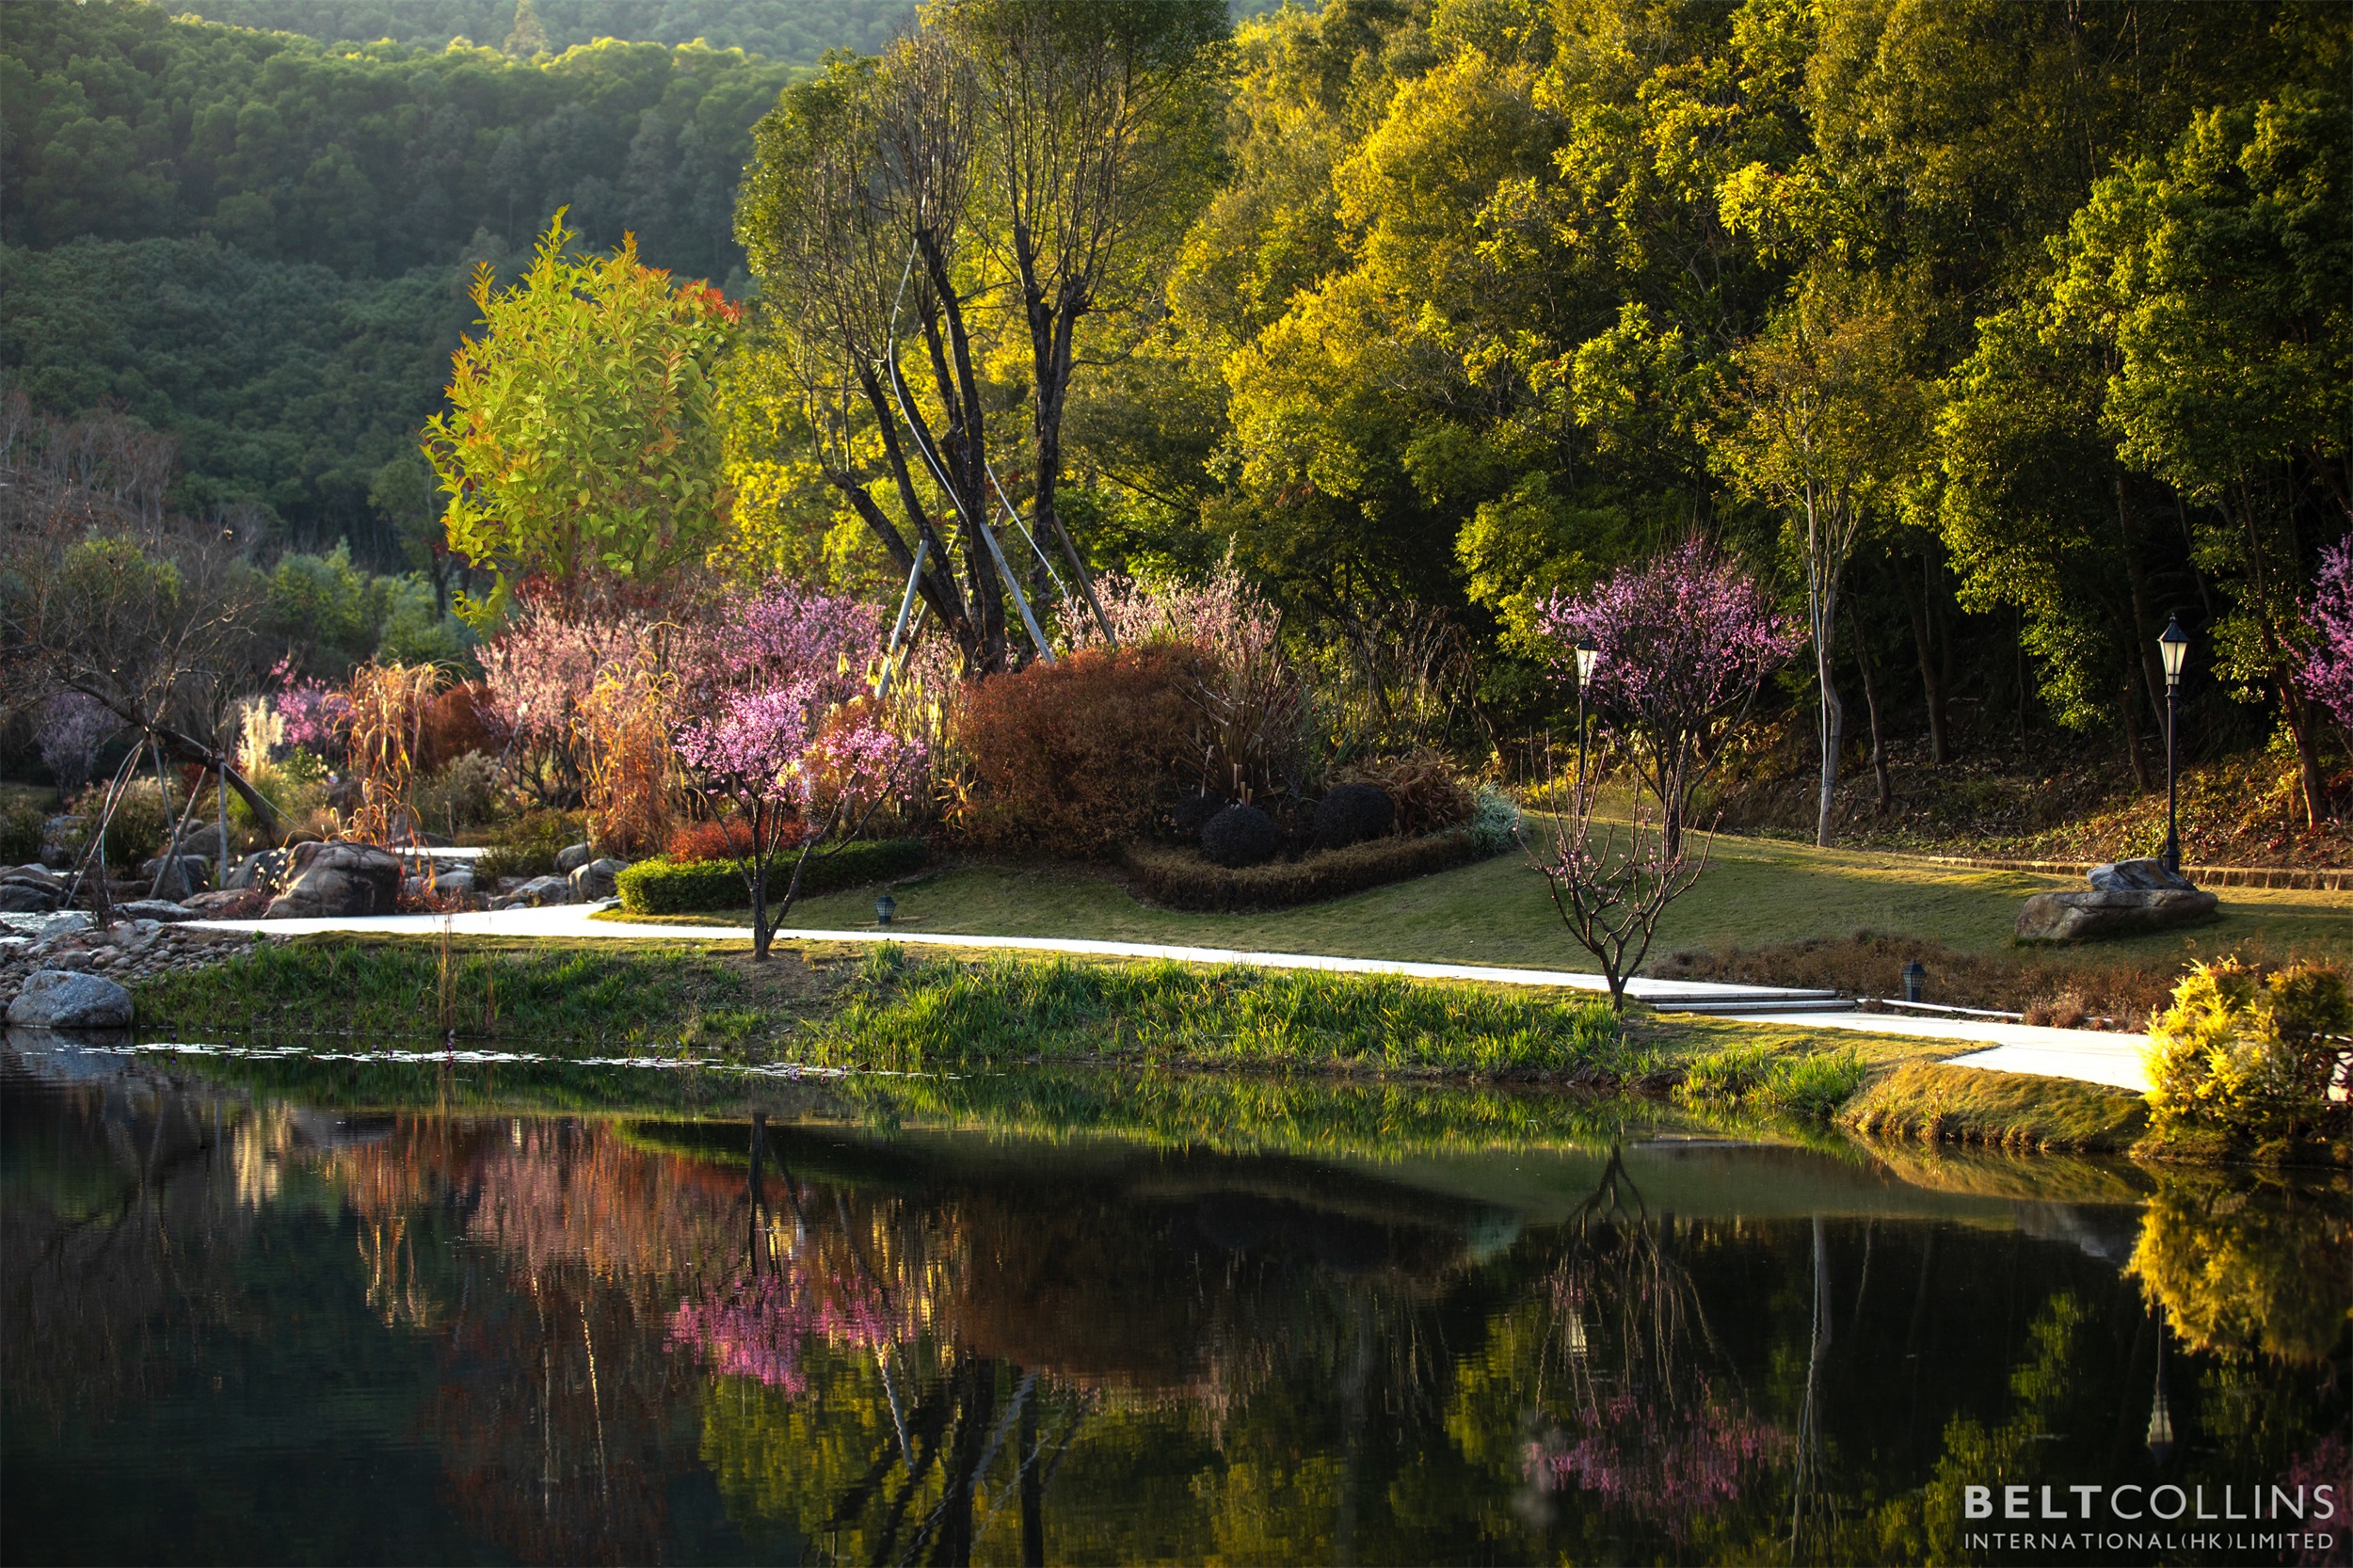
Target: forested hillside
259,244
795,31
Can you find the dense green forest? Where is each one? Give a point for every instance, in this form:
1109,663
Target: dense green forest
795,31
2043,314
1997,333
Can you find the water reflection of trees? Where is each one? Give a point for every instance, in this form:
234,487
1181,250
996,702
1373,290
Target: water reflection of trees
123,1236
1650,1419
884,1348
2243,1266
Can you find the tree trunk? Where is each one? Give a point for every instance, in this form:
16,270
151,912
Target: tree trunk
1922,637
2306,732
1871,708
2128,703
1833,713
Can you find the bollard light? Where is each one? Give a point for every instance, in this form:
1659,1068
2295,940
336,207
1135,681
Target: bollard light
1916,981
884,907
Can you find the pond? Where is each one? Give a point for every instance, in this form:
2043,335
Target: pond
273,1309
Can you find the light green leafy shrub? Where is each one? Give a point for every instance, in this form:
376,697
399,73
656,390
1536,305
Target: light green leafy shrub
2245,1050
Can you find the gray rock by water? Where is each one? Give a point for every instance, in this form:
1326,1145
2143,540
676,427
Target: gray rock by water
2072,916
152,909
598,879
571,857
23,898
338,881
2145,875
62,999
56,923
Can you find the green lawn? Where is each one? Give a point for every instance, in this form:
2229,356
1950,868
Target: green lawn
1756,891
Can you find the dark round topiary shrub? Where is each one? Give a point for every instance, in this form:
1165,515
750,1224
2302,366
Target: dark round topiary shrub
1352,813
1191,814
1241,835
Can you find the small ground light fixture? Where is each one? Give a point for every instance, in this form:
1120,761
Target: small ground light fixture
1916,981
884,907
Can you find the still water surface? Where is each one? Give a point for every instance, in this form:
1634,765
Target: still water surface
249,1322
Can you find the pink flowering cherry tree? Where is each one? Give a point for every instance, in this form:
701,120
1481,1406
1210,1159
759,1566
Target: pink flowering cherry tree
784,729
2326,669
1683,641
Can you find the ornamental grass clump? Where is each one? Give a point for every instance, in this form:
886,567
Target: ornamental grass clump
2252,1054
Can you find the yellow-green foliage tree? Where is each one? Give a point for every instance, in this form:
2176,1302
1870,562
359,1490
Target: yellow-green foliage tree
581,443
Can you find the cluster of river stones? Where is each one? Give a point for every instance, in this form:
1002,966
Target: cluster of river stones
66,968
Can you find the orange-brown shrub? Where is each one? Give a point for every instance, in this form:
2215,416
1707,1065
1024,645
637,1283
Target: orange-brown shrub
456,721
695,841
1080,757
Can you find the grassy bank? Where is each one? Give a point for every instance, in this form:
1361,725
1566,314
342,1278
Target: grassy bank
893,1010
1929,1103
1759,898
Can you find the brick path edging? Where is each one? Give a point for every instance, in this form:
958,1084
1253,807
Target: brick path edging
2325,881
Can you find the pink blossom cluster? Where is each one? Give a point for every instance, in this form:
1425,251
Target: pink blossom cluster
546,663
1670,1466
774,669
2326,670
1221,614
70,728
1681,637
316,715
755,1328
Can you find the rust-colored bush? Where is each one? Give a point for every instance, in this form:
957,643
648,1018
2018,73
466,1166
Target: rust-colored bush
456,722
694,843
1078,757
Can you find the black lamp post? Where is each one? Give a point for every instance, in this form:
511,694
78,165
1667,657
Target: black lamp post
1587,657
2173,647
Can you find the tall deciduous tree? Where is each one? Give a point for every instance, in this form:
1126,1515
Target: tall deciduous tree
1825,426
581,443
1098,126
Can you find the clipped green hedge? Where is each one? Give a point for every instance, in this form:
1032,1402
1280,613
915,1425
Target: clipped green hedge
661,886
1187,879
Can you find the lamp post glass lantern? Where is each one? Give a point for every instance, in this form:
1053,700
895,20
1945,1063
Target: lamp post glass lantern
1587,657
2173,648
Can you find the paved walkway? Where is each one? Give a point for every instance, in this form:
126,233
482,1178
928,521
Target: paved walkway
2085,1054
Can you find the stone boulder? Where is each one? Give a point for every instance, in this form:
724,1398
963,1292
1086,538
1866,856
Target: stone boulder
598,879
536,893
25,898
203,839
229,904
64,999
2145,875
338,882
2072,916
158,909
179,876
573,856
59,922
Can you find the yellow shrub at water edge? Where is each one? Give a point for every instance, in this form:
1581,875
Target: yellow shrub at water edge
2246,1051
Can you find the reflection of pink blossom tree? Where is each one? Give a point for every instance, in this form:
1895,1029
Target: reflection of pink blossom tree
1647,1430
1665,1464
755,1327
2326,671
784,730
